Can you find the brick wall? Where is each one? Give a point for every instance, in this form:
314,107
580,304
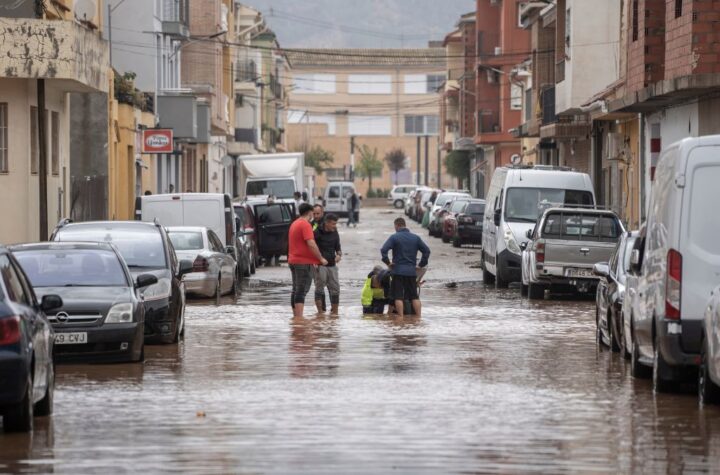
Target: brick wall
646,43
692,44
467,127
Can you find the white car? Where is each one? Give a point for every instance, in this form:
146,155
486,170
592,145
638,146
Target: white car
398,194
214,268
679,262
709,371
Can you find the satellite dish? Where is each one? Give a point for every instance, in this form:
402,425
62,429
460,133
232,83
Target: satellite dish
516,159
85,10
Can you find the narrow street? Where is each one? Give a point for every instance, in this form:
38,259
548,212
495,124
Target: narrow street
486,382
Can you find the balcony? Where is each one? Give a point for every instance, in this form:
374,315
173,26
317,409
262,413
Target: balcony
547,102
56,50
175,18
246,71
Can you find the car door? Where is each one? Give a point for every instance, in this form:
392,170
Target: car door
224,262
20,292
273,225
334,201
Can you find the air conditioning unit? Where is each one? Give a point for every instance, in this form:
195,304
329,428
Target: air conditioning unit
614,144
498,51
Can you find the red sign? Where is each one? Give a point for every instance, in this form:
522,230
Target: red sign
157,141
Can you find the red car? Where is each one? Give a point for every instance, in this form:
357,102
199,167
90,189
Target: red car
448,222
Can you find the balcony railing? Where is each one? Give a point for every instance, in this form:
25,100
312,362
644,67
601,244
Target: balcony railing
547,102
246,71
488,121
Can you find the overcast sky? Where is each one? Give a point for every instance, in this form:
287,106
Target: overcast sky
361,23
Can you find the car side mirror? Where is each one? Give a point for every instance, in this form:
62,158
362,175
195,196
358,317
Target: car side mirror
230,250
529,234
145,280
635,261
185,267
50,303
601,269
496,217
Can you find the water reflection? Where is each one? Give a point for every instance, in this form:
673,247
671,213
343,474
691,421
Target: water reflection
314,346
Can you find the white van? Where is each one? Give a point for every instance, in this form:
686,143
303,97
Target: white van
678,261
336,195
212,210
516,199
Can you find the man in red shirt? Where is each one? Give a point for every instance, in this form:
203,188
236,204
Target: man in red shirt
303,256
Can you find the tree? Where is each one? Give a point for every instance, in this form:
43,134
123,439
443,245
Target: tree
319,158
395,160
457,164
369,164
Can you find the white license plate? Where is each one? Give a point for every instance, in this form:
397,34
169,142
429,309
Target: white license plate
71,338
579,273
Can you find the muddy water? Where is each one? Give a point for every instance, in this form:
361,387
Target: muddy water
484,383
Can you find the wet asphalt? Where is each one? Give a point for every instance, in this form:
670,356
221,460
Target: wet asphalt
485,382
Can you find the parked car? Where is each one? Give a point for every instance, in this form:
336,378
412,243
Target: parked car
102,317
146,249
336,195
245,224
516,199
27,371
421,204
709,370
681,258
398,194
564,247
467,226
610,295
270,225
212,210
435,217
411,199
448,223
214,268
434,226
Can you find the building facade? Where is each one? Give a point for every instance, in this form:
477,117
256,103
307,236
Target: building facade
345,99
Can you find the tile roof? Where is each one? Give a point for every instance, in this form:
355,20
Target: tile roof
367,57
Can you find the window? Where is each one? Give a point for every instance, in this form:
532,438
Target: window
369,125
583,227
369,84
187,240
302,117
678,8
635,20
309,83
139,246
515,97
55,144
421,124
13,284
334,174
4,137
423,83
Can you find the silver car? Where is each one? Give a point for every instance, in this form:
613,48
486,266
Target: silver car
214,267
709,371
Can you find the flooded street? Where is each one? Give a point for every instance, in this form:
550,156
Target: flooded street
485,382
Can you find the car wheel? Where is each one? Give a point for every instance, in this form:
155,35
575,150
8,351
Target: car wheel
246,270
708,391
445,238
523,290
621,339
637,369
44,407
456,242
612,338
660,369
218,289
399,204
19,417
536,292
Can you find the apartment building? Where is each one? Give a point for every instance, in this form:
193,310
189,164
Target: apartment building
45,56
344,99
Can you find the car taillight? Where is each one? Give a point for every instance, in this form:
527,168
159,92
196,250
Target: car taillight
540,251
673,285
9,330
201,264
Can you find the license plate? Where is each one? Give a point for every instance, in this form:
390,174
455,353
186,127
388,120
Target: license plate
71,338
579,273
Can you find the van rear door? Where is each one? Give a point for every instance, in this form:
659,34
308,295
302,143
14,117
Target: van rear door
699,242
333,201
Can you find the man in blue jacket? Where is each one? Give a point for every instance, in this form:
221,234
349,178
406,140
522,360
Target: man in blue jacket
405,247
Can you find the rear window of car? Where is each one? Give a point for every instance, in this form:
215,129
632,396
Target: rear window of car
475,208
458,206
186,240
72,268
140,246
582,227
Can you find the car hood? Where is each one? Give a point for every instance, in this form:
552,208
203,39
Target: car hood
520,231
90,300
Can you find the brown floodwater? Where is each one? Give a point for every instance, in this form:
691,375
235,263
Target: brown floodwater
483,383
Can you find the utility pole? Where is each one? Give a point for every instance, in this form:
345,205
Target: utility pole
417,173
110,10
439,184
42,161
427,160
352,158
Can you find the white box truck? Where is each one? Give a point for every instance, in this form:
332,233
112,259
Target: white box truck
277,174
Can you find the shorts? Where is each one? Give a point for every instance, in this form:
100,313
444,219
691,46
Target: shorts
327,276
404,287
302,277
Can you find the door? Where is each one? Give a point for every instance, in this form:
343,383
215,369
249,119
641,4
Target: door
334,201
273,224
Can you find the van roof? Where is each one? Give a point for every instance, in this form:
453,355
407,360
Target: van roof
194,196
540,178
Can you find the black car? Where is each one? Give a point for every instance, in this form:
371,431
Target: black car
269,224
146,249
27,374
103,316
611,293
469,228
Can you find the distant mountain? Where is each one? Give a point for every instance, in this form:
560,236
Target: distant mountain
361,23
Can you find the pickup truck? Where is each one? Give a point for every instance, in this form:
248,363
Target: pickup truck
563,248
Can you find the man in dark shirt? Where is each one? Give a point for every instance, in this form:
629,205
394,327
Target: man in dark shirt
328,241
405,247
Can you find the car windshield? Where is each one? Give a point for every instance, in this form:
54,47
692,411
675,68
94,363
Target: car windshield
282,189
139,246
72,268
475,209
528,204
186,240
458,206
581,227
